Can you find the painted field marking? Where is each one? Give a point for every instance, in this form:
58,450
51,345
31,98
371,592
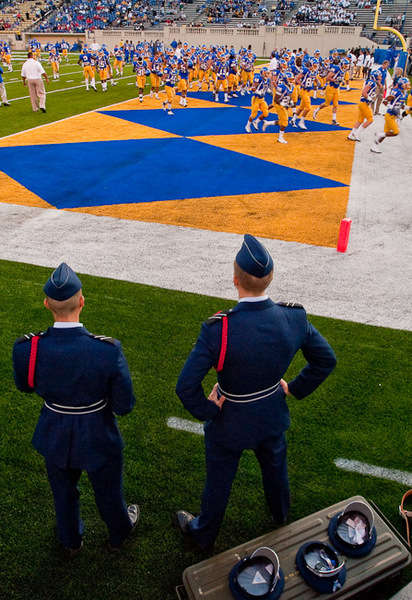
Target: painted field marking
353,466
87,112
74,87
185,425
356,466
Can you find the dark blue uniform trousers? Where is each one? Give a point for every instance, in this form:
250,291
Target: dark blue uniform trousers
107,487
221,467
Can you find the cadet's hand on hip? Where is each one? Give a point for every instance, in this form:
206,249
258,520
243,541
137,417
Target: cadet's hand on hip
285,387
214,398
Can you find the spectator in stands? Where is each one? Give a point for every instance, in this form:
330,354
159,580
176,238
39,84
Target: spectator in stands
332,12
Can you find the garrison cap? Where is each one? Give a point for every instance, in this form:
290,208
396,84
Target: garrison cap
254,258
352,531
257,576
321,567
62,284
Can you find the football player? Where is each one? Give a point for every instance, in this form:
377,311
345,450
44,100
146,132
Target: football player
156,66
204,63
305,79
103,65
395,103
233,79
54,60
182,85
260,86
5,55
365,114
282,100
119,58
334,79
221,69
170,77
85,61
65,49
247,63
141,69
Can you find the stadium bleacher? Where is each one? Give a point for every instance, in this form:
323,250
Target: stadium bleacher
332,12
389,10
80,15
19,15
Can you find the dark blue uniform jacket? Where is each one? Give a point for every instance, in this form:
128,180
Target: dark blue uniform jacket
75,369
263,338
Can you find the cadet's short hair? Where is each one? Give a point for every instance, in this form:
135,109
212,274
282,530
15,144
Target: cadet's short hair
256,285
62,308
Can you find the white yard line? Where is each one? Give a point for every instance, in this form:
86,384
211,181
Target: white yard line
73,87
62,74
185,425
355,466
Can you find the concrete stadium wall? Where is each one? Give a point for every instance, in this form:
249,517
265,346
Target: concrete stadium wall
263,39
43,38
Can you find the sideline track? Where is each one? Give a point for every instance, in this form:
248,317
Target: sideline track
371,283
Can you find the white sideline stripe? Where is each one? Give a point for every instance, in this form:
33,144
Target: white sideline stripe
63,73
185,425
73,87
356,466
64,118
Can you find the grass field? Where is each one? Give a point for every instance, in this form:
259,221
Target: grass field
69,100
59,104
361,412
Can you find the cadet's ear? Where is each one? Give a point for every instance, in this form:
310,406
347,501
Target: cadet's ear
46,304
81,301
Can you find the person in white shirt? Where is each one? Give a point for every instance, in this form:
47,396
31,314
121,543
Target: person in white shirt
359,65
273,65
32,73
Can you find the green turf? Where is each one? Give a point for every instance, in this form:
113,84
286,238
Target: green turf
62,104
65,103
359,413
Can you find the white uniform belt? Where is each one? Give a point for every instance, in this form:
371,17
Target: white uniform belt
252,397
76,410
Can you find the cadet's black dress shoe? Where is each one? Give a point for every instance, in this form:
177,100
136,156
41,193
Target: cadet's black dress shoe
133,510
72,552
181,520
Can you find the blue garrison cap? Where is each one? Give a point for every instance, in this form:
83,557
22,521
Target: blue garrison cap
62,284
321,567
253,257
257,576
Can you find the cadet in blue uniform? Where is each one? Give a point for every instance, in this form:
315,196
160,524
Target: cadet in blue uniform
251,346
83,379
